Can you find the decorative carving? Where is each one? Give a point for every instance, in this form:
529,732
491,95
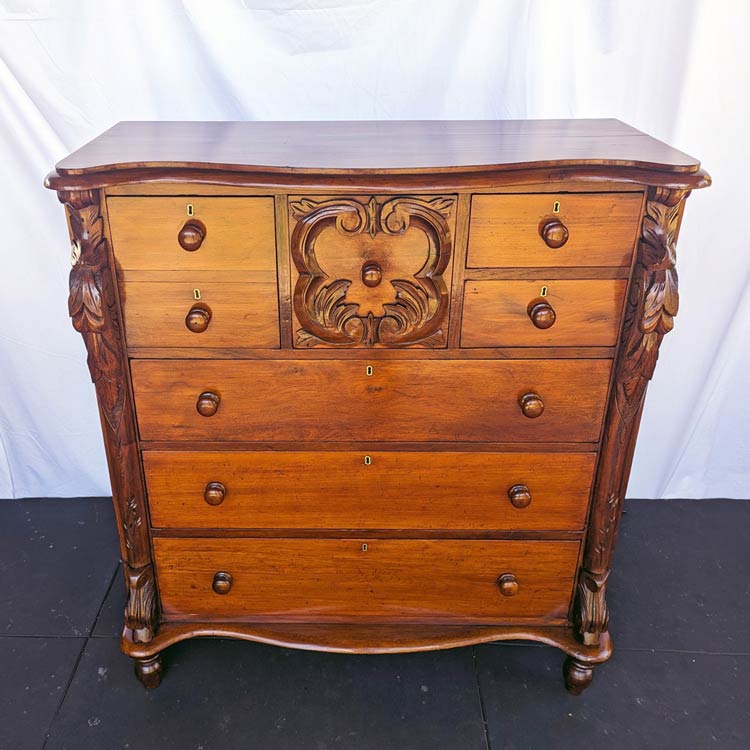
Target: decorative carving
592,613
651,306
93,308
140,611
420,304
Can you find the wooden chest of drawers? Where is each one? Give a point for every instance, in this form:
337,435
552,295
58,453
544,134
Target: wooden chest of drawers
372,387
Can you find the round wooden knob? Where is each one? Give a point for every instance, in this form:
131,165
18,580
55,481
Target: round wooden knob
554,233
508,584
198,318
207,404
214,493
222,583
532,405
520,496
191,235
372,273
542,314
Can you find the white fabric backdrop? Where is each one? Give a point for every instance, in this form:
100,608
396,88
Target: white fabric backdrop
676,69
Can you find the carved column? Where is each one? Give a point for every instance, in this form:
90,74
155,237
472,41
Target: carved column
94,311
651,306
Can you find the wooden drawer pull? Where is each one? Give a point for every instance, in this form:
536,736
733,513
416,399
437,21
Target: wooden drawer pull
508,584
207,404
554,233
541,313
198,318
372,274
222,583
214,493
531,405
191,235
520,496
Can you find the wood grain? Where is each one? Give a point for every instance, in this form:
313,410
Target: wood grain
396,490
587,313
364,579
505,229
242,314
240,233
410,146
426,400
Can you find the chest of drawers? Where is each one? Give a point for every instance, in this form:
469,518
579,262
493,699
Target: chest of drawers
372,387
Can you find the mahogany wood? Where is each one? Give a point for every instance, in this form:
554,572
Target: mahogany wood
378,373
396,580
584,313
507,230
240,314
396,490
425,400
148,233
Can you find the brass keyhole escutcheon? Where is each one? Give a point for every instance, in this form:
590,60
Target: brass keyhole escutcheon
372,273
368,460
368,371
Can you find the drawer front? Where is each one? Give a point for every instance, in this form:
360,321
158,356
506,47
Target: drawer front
513,313
167,314
237,233
506,231
371,270
368,490
331,400
328,580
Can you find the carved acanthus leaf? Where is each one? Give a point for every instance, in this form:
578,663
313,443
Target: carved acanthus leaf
328,317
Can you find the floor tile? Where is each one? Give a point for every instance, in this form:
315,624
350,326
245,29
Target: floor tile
639,699
56,564
110,621
230,694
681,576
35,673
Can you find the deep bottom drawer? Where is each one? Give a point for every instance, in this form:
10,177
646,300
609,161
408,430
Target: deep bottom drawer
334,580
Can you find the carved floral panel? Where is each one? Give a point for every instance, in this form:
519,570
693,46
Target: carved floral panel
371,270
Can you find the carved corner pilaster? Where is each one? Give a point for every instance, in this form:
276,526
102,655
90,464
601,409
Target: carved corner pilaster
93,308
651,305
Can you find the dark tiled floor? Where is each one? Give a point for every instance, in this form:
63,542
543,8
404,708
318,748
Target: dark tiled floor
680,676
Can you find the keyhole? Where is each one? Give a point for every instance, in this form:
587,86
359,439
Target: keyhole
368,460
190,209
368,370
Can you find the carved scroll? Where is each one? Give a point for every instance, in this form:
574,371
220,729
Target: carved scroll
418,312
93,309
651,306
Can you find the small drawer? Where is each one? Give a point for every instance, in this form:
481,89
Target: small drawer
428,400
202,313
397,580
368,489
193,233
514,313
526,231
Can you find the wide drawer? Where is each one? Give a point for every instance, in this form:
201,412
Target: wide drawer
230,233
513,313
329,580
335,400
368,490
167,314
508,231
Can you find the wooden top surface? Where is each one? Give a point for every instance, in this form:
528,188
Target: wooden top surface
374,146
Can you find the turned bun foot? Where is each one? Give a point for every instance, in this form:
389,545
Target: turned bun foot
577,675
148,671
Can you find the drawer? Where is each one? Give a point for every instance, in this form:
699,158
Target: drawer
506,231
513,313
223,233
325,580
368,490
335,400
227,314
